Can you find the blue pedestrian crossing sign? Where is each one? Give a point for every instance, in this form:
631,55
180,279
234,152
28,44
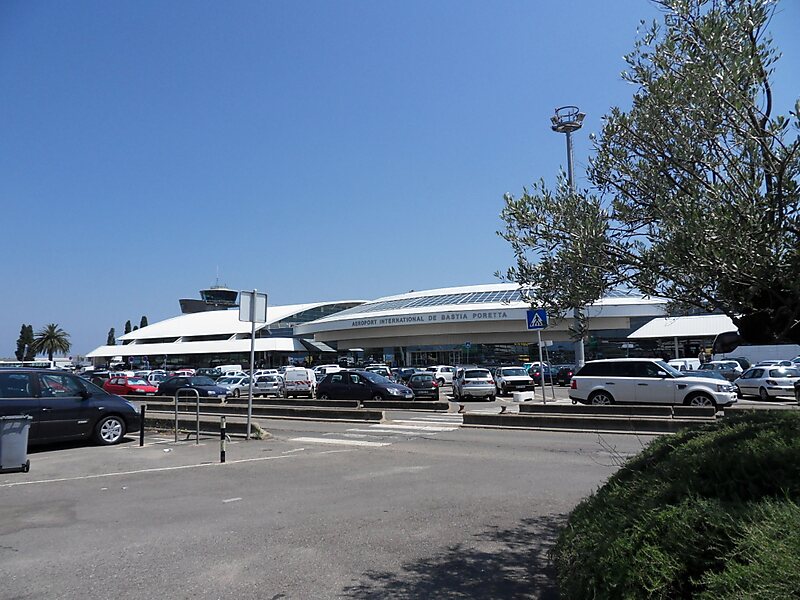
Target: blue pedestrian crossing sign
537,319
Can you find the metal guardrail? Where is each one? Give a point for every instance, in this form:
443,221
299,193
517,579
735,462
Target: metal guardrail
197,397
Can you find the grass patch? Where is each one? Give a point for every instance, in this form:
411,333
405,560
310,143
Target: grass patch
705,513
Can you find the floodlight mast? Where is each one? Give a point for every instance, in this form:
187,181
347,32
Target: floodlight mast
567,120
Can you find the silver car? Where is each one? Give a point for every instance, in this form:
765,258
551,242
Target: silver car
269,385
474,383
235,385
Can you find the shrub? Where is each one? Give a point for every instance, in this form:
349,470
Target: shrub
697,514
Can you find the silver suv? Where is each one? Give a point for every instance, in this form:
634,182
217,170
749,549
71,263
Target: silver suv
645,381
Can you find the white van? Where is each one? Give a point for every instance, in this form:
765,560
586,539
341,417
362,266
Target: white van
685,364
299,381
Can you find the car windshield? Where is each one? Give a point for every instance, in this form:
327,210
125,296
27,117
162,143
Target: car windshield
784,372
515,372
476,374
669,369
136,381
708,367
202,381
374,377
422,377
226,380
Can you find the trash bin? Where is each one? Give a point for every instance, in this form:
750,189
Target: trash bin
14,443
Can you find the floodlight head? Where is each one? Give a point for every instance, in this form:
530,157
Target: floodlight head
567,119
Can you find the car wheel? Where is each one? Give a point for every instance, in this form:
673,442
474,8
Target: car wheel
109,430
763,394
739,393
491,398
377,397
699,400
324,396
440,381
236,393
601,398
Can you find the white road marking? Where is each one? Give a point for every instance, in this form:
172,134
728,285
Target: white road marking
392,431
295,450
138,471
231,500
415,428
311,440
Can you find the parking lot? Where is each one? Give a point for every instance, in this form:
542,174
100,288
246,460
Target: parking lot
301,514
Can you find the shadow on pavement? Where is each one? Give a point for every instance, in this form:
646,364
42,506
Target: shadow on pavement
497,563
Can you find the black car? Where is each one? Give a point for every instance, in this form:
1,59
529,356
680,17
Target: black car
424,385
205,386
564,374
65,407
212,373
361,385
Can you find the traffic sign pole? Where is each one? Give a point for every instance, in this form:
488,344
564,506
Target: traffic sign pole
541,366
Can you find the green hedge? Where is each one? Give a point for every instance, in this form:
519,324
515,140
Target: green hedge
706,513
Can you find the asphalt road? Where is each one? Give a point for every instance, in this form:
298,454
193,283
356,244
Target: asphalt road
415,507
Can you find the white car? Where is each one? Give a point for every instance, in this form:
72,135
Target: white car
474,382
382,370
443,374
767,382
775,363
235,385
645,381
511,379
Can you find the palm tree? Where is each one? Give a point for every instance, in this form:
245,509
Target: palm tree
51,339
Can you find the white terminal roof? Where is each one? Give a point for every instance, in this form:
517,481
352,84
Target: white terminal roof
147,340
214,322
684,327
487,297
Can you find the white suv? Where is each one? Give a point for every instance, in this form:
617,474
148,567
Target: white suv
509,379
443,374
645,381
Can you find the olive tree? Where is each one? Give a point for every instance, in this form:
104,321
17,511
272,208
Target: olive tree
695,193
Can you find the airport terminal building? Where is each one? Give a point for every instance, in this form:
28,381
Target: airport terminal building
480,323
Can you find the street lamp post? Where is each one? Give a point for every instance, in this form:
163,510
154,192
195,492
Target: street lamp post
569,119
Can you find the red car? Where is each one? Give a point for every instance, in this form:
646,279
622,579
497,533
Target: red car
129,386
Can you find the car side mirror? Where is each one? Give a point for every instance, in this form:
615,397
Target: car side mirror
85,394
662,374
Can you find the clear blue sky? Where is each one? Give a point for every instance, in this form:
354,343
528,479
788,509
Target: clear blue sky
314,150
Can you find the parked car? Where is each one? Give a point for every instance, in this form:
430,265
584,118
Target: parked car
299,381
125,386
474,383
564,374
767,382
186,372
511,379
645,381
156,377
212,373
443,373
424,385
235,386
205,386
269,385
538,372
775,363
361,385
684,364
381,370
65,407
708,374
729,368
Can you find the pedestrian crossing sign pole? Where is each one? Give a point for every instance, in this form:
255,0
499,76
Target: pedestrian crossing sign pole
537,320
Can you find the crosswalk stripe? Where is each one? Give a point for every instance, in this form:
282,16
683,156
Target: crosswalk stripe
414,427
393,431
338,442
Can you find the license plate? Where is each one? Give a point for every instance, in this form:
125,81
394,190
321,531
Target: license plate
150,394
409,395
